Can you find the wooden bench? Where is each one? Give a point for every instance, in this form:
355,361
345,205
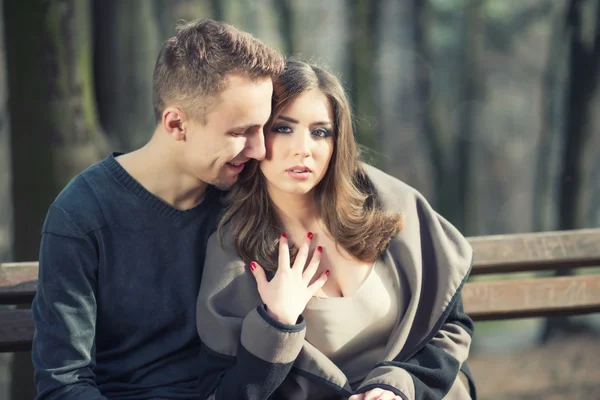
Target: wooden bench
484,299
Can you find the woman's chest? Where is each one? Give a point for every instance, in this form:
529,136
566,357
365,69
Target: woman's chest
346,275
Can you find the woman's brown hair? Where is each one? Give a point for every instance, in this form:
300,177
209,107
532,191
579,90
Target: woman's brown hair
348,205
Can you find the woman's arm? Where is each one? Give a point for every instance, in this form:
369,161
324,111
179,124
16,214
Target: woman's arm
264,356
431,372
251,328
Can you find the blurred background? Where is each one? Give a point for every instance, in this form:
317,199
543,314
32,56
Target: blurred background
491,108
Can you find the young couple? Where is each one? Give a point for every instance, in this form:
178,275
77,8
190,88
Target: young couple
314,277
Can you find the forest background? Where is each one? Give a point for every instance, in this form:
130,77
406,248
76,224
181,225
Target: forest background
491,108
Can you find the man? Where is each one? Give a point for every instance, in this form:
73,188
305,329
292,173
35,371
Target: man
123,244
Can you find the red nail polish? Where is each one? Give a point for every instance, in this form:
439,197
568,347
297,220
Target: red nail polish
252,266
327,272
284,235
319,249
309,235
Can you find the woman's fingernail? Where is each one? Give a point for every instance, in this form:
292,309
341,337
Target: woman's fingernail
309,235
283,235
327,272
319,249
252,266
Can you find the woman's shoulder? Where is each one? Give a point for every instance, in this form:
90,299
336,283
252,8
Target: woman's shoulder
221,251
394,193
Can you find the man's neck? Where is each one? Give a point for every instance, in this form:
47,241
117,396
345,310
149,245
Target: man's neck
155,166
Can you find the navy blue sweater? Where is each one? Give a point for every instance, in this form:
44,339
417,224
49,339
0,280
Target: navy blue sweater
119,276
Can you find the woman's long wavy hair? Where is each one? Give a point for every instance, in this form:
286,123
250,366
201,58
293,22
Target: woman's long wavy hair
348,205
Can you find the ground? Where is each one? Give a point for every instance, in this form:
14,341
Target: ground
565,369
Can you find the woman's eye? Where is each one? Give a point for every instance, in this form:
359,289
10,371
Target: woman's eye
323,133
281,129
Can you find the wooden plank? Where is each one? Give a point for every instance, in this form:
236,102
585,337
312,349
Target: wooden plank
534,297
493,254
16,330
482,301
18,282
536,251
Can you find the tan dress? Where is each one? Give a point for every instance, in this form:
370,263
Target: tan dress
353,331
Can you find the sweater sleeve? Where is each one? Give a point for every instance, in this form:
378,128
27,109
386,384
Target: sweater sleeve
246,354
432,371
64,312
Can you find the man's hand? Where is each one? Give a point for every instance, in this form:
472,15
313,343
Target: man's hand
375,394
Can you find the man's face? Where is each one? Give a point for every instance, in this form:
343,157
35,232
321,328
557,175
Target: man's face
215,153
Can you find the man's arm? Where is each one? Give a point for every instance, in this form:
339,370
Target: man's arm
64,312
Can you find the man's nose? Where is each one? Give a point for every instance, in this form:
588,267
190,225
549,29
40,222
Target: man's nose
255,146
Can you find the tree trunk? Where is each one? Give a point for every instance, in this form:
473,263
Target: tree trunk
168,13
258,17
6,209
53,119
364,15
584,63
286,25
589,178
125,54
552,119
471,94
433,122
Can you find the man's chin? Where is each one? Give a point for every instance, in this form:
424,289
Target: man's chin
225,184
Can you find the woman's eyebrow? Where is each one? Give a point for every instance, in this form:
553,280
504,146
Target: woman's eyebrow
293,121
288,119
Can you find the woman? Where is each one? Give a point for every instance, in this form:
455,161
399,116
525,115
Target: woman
328,278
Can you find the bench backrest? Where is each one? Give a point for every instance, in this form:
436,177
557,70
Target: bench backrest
484,298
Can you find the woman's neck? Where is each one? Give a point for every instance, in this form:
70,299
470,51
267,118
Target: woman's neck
298,213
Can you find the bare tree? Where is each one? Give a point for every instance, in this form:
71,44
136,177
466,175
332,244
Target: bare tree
287,25
552,118
364,16
5,156
471,93
433,124
55,133
127,42
584,64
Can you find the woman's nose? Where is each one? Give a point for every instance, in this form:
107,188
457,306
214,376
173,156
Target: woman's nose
302,144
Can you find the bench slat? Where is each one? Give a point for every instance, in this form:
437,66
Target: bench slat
536,251
504,299
493,254
482,301
537,297
16,330
18,282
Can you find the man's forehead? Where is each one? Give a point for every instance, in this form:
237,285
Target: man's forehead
240,114
246,111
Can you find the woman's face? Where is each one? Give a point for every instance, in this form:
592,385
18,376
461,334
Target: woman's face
299,145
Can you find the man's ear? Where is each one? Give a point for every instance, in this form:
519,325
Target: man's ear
174,121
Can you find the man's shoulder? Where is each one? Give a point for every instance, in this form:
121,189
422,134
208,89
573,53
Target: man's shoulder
81,199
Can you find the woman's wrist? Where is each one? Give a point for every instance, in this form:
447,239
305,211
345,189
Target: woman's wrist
287,320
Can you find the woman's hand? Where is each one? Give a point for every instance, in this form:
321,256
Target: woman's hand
376,394
287,294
